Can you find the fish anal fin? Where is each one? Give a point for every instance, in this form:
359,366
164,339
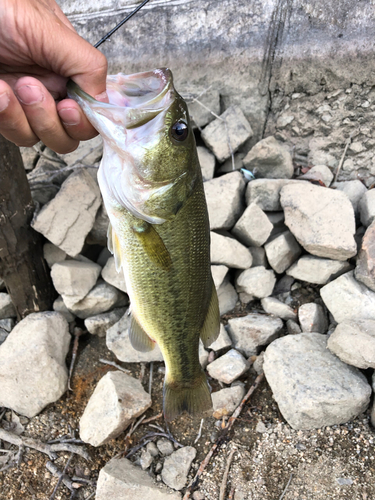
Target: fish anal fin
114,247
153,245
194,399
211,326
138,337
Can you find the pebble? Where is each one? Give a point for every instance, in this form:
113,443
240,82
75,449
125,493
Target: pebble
365,266
226,401
74,279
229,252
228,367
60,307
145,459
270,159
256,281
258,363
293,327
312,318
227,296
176,467
367,207
253,227
282,251
99,324
266,193
165,446
273,306
317,270
222,341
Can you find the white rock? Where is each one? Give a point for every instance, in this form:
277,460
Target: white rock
203,355
68,218
293,327
121,480
99,324
227,296
252,331
321,219
253,228
226,401
101,298
74,279
354,190
176,467
145,459
229,367
229,252
111,276
115,402
278,308
266,192
118,342
98,233
282,251
258,363
224,200
165,446
232,127
53,254
200,115
354,343
320,172
7,309
207,163
312,318
367,207
60,307
218,274
317,270
312,387
32,363
269,159
348,299
222,341
259,256
256,281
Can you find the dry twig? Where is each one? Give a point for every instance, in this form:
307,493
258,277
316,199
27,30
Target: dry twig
112,363
61,475
150,379
199,432
77,333
223,486
349,140
286,487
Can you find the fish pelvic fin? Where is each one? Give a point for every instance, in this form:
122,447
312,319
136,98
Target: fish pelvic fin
114,247
138,337
195,400
211,326
153,244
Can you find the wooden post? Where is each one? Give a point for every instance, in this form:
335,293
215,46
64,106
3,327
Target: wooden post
22,266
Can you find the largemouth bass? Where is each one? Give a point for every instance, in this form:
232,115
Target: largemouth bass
152,187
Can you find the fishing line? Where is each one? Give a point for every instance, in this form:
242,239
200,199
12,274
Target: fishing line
120,24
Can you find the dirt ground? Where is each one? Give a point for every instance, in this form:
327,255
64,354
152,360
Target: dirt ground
335,463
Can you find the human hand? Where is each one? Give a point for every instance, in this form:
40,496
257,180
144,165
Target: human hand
39,51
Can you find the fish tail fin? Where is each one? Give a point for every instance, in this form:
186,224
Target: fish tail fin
194,399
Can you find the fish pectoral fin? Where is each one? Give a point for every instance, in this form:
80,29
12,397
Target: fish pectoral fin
153,245
211,326
138,337
114,247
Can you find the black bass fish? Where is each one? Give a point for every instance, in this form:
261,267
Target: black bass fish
152,187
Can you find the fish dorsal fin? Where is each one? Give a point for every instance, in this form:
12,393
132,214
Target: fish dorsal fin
153,244
114,247
211,326
138,337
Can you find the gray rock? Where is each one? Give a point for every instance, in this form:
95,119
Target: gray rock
252,331
200,115
3,335
53,254
99,324
321,219
227,296
111,276
354,343
270,159
312,387
60,307
222,341
7,324
176,467
229,252
354,190
348,299
367,207
145,459
319,173
293,327
29,157
101,298
258,363
317,270
365,268
69,217
7,309
165,446
259,256
32,363
282,251
207,163
74,279
87,153
227,166
152,449
228,367
277,220
271,305
256,281
312,318
104,255
266,193
231,128
218,274
253,228
224,200
98,233
226,401
121,480
115,402
118,342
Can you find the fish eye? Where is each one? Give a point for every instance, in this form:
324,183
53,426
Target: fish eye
179,131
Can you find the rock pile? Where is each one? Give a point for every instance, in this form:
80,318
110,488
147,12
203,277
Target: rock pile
292,257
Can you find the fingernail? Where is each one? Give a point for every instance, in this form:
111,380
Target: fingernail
70,116
103,97
29,94
4,101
